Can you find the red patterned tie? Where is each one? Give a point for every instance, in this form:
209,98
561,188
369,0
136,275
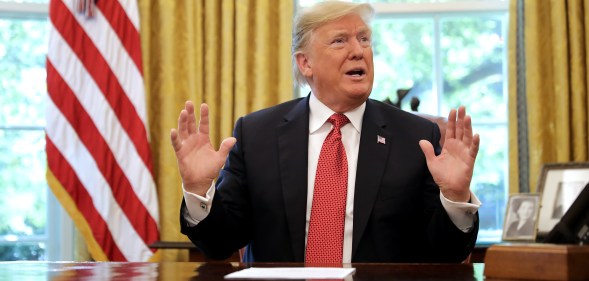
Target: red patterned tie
326,229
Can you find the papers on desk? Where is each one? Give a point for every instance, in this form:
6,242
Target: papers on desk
291,273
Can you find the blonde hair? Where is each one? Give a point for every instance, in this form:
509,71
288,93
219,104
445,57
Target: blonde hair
314,17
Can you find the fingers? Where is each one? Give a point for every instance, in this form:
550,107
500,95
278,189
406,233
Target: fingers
460,123
474,148
459,126
176,143
466,127
187,124
187,120
183,124
467,138
428,150
451,126
191,118
203,124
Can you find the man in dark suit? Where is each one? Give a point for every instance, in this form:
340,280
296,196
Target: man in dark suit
404,201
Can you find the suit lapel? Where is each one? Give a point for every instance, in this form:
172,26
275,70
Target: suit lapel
372,158
293,142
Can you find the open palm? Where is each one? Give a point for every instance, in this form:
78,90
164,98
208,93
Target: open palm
452,169
199,163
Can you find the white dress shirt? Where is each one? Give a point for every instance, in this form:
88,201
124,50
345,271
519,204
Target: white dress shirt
461,214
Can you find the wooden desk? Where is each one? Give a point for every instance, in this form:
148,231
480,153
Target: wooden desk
194,254
215,271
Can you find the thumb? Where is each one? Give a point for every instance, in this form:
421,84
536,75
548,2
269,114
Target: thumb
428,150
226,146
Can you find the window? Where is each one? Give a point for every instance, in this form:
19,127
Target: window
450,55
31,220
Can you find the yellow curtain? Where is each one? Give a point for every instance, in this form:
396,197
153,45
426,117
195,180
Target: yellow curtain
556,39
232,54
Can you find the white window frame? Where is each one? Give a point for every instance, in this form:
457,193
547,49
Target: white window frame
59,232
437,7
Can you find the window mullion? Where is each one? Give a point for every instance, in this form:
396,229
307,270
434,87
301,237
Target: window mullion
438,78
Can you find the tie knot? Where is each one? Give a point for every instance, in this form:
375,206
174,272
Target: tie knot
338,120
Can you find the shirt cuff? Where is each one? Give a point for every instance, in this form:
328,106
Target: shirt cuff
462,213
197,207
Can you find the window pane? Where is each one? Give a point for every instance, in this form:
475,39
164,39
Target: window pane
23,46
489,181
22,183
472,66
403,58
22,251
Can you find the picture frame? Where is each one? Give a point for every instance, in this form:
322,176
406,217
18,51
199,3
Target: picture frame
559,186
521,217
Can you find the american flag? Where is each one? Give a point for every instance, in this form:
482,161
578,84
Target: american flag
98,155
380,139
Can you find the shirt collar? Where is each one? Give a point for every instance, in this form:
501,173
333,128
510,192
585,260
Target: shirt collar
319,113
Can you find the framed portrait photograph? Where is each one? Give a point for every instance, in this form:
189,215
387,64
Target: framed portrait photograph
559,186
521,217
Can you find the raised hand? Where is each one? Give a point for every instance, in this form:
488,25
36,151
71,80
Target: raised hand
199,163
452,169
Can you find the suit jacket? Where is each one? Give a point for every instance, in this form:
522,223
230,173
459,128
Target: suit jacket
262,190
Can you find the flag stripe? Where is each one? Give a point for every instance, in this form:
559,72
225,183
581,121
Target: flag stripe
66,140
124,28
88,94
81,122
130,7
105,79
99,30
71,183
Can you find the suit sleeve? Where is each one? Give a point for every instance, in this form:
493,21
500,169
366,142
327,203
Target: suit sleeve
447,243
226,229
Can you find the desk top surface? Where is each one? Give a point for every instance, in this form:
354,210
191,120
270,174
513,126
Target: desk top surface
214,271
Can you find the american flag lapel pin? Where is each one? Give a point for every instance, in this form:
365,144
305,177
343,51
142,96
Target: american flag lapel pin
380,139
